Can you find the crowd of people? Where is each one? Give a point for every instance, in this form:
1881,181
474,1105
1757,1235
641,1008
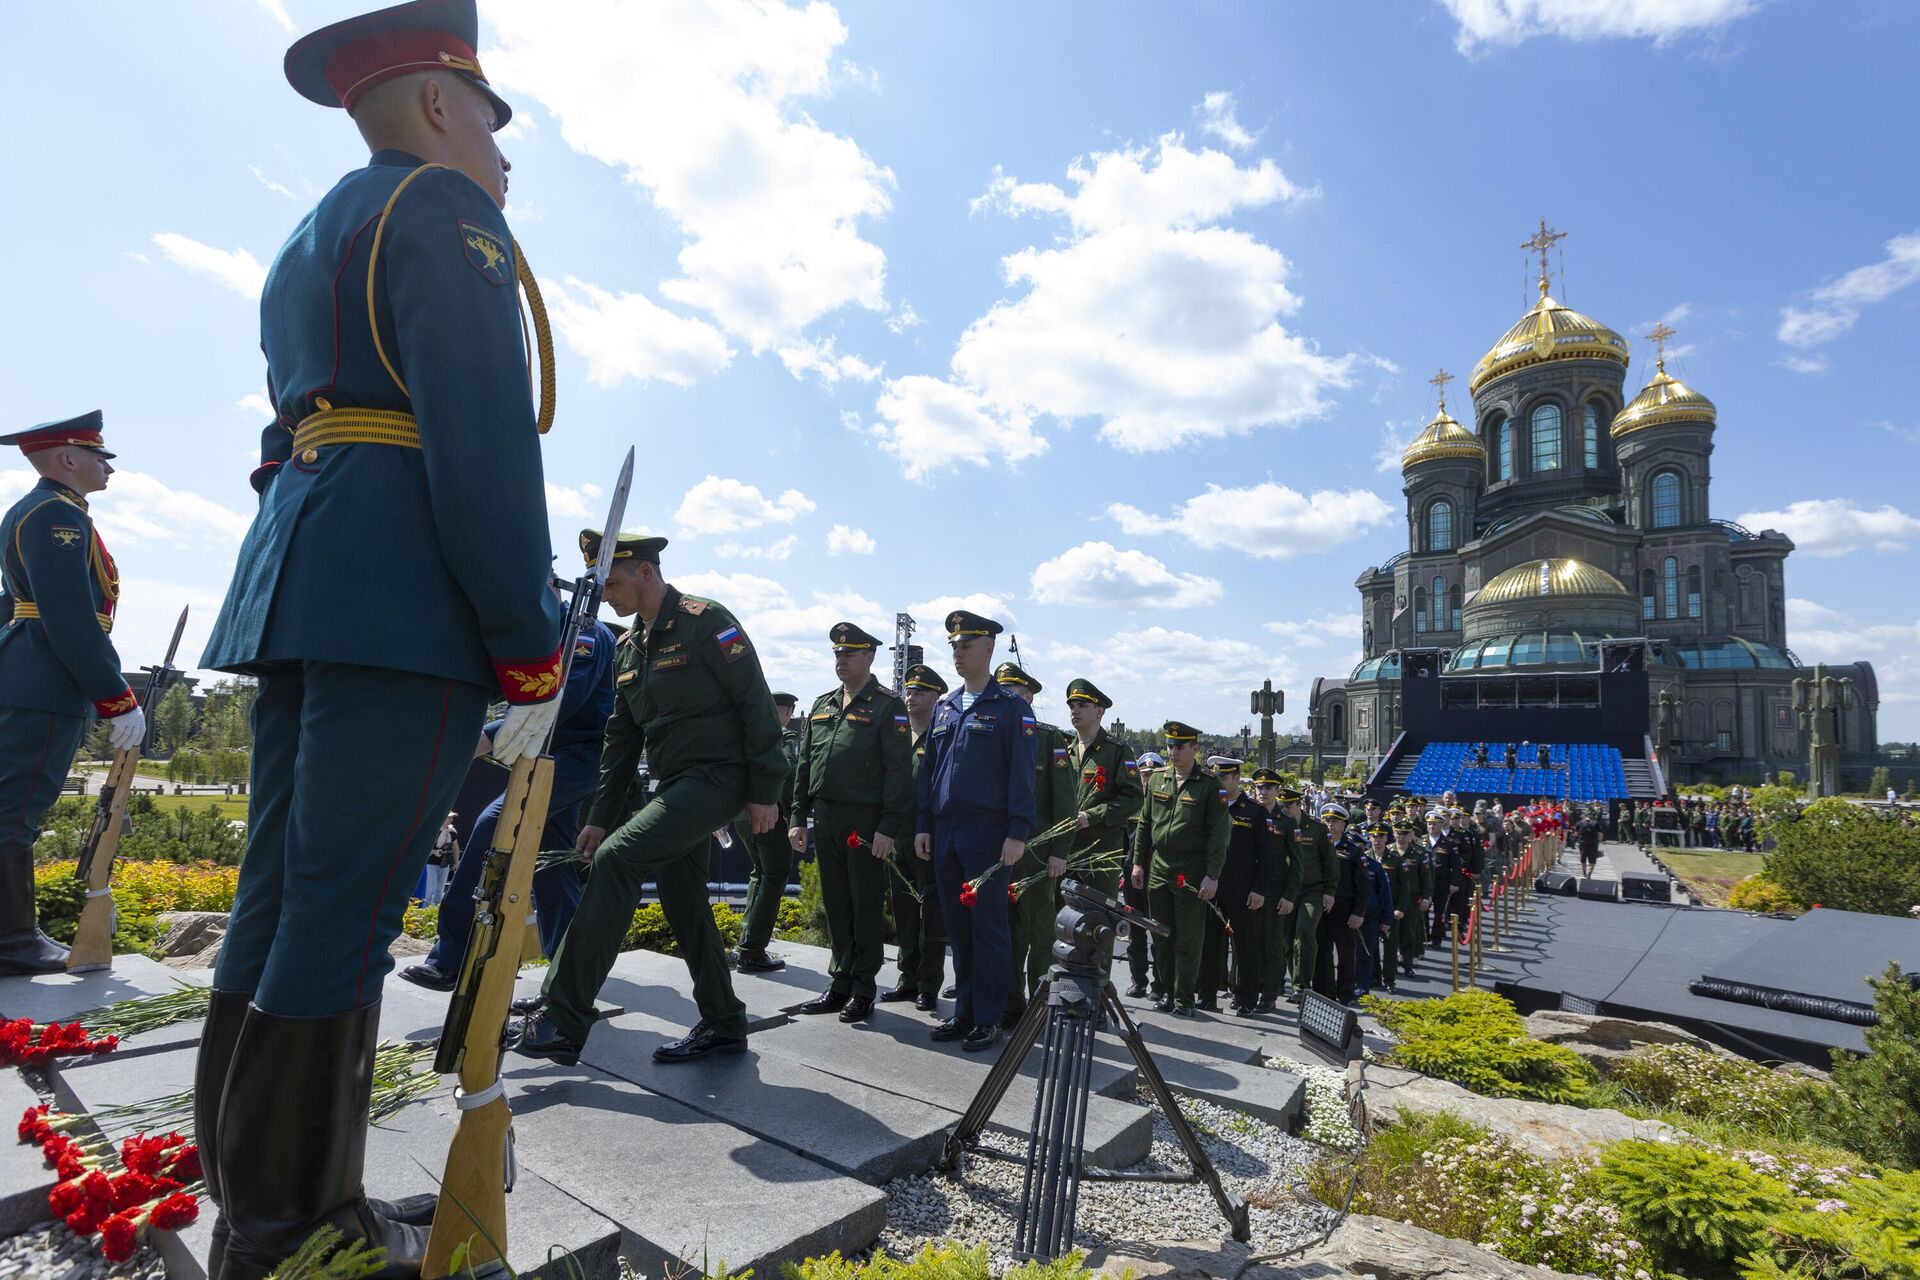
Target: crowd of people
1699,823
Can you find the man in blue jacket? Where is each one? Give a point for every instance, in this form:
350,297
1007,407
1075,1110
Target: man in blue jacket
393,584
975,794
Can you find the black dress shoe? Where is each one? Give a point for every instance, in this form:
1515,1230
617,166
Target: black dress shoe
1163,1003
1242,1009
894,995
757,962
980,1039
926,1002
825,1002
950,993
430,976
528,1004
1183,1011
1294,998
858,1009
952,1029
1137,990
698,1043
538,1037
1263,1005
27,951
1211,1006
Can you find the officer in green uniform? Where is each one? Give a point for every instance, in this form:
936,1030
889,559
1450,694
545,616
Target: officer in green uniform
772,858
1108,780
1179,853
1055,799
689,693
393,583
1318,871
918,927
57,666
1277,926
855,780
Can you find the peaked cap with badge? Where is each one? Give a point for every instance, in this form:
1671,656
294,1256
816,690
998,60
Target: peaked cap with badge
83,432
626,546
922,676
1080,689
848,637
964,624
1011,673
1177,731
336,65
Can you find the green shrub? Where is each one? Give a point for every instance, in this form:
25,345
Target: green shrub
1697,1209
421,921
1477,1040
1874,1105
948,1261
1867,1227
1759,893
57,900
810,911
1695,1082
1847,857
649,931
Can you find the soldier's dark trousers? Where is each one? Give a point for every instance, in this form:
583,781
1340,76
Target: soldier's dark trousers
1031,921
1214,960
1442,903
1246,943
1138,958
982,944
853,889
35,749
665,842
1306,939
1366,956
1176,959
1276,950
353,768
772,856
556,889
1334,971
919,927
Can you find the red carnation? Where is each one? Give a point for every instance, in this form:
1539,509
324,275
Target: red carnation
130,1190
72,1166
853,840
186,1164
1179,882
86,1220
1013,894
119,1237
98,1186
140,1154
65,1198
176,1211
31,1124
968,896
55,1146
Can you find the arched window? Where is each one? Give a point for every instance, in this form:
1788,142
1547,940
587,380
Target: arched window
1546,438
1693,591
1670,588
1420,609
1439,603
1339,723
1647,590
1666,500
1591,435
1453,610
1440,525
1503,450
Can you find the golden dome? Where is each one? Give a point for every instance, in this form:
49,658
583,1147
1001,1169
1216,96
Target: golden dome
1443,438
1664,400
1548,332
1537,578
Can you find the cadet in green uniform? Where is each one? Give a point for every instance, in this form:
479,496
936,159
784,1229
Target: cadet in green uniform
1318,870
689,694
1277,925
1179,853
1055,799
57,666
772,857
855,780
1109,787
918,927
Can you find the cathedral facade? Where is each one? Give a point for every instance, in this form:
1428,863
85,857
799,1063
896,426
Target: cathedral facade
1570,512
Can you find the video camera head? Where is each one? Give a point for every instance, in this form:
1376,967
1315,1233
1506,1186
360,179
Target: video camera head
1089,922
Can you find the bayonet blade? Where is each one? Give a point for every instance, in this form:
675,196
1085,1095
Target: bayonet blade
609,535
173,646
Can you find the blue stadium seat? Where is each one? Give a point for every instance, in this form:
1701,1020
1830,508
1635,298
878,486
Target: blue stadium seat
1581,771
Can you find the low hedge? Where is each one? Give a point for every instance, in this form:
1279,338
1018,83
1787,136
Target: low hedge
1478,1040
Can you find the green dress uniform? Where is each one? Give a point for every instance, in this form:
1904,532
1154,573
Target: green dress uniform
771,855
855,780
1055,799
1318,869
1109,784
1183,840
1276,944
57,668
919,930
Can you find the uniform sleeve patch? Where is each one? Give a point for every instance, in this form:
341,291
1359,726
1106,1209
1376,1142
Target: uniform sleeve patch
900,724
733,643
65,535
486,252
625,677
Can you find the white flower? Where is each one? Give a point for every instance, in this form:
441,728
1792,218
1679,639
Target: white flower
1831,1206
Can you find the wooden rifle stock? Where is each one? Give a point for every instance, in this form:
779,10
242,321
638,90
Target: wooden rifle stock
93,936
473,1203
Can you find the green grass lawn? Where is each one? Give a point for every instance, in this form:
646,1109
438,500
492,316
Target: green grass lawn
1710,874
230,807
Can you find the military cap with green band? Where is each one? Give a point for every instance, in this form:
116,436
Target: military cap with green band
964,623
1083,690
849,638
922,676
1010,673
628,546
1177,731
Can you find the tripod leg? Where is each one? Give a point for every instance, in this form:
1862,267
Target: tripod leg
1037,1149
1232,1206
994,1088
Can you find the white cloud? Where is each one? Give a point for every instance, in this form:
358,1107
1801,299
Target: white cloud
236,269
575,503
817,356
902,317
779,549
1507,22
1268,520
846,540
742,593
1394,439
1826,527
1318,631
278,188
930,425
698,104
1821,634
930,616
628,337
278,12
1158,673
791,636
1100,575
1217,120
136,510
255,405
1807,364
1836,304
717,505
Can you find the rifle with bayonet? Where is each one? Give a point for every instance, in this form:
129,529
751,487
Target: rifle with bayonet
93,936
470,1222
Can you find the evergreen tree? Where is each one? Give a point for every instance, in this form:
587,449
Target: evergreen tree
173,719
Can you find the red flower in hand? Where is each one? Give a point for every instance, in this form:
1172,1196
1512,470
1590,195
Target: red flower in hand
854,841
968,895
1179,882
1013,894
119,1237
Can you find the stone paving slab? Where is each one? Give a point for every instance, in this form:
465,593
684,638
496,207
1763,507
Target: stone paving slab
58,997
24,1176
1273,1096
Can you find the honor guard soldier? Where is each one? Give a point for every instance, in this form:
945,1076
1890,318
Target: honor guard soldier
918,926
1247,880
1108,780
975,810
1055,799
772,857
1181,849
688,692
855,780
1340,926
1139,970
57,666
393,584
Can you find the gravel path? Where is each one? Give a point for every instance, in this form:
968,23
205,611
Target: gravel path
51,1252
982,1203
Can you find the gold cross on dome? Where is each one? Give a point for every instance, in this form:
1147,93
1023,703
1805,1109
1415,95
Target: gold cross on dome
1440,381
1541,241
1658,336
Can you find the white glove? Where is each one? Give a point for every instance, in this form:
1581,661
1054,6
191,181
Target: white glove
524,731
128,730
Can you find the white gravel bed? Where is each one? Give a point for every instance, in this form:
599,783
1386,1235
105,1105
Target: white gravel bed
51,1252
982,1203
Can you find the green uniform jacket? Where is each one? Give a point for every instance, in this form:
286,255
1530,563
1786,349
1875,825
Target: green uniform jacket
1314,861
857,752
1056,788
55,565
1107,809
689,695
1183,828
1286,879
1403,873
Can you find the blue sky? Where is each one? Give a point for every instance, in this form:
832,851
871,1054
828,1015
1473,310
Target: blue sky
911,303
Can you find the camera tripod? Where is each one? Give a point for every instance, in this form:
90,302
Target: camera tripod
1069,1007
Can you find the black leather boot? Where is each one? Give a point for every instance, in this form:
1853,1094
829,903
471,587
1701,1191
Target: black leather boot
23,948
293,1141
226,1012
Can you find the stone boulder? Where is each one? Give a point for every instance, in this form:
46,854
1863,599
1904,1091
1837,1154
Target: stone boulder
1382,1249
1600,1039
188,933
1543,1129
